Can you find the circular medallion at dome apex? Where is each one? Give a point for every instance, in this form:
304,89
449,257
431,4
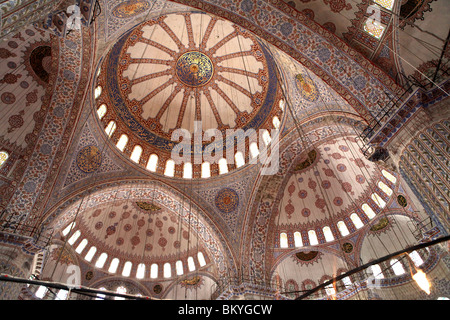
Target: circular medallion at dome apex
194,69
183,69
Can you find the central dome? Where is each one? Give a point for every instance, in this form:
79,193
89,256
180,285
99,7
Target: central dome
188,71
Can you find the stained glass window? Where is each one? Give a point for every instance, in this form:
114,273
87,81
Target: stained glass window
389,176
3,157
397,267
378,200
388,4
81,246
191,264
374,28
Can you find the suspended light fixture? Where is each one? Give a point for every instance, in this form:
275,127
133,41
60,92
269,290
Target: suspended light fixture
421,279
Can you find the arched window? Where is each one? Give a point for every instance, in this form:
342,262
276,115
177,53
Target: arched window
101,260
74,237
140,272
152,163
347,282
298,242
376,271
41,292
239,158
356,221
374,28
328,234
342,227
385,188
167,270
397,267
283,240
282,104
179,267
276,122
97,92
191,264
223,166
206,170
378,200
368,211
122,143
416,258
187,170
114,265
126,271
170,168
389,176
388,4
312,237
110,128
62,294
90,254
3,157
66,231
266,137
254,150
154,271
136,154
101,111
201,259
81,246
